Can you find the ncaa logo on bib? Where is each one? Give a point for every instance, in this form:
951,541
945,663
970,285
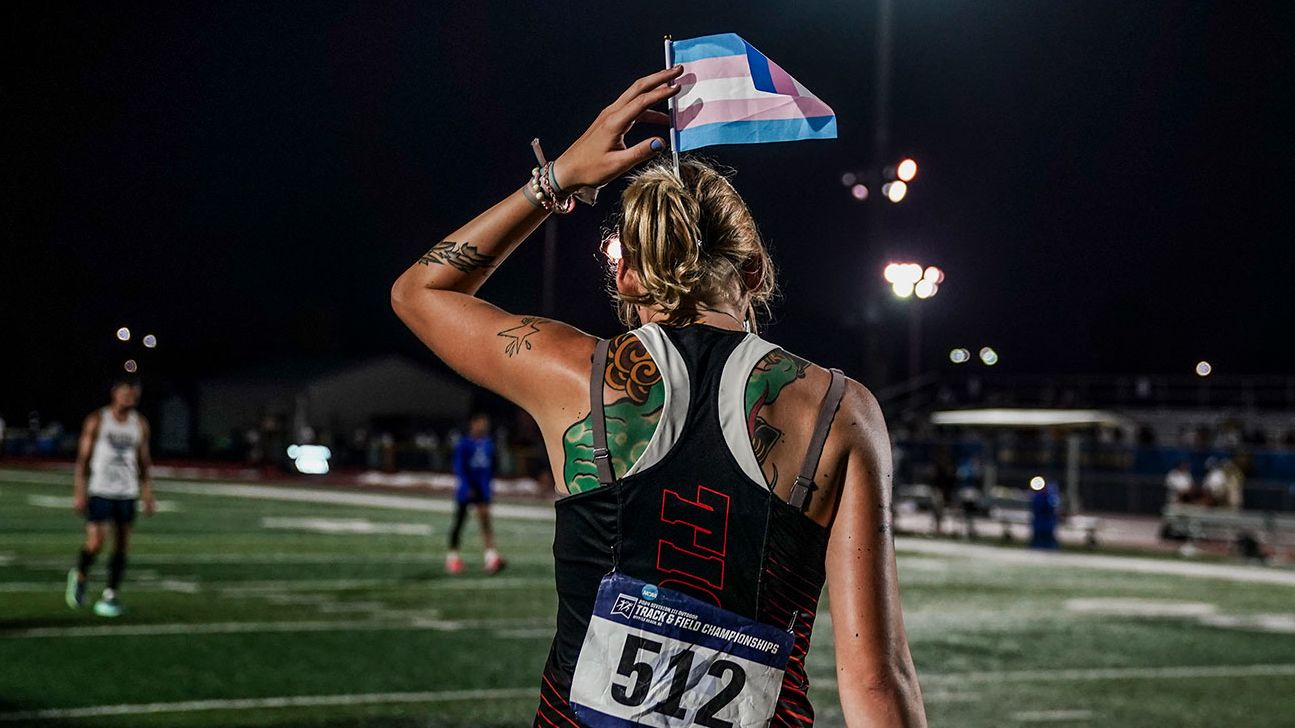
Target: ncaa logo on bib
649,592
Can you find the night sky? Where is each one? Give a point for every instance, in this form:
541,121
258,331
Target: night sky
1107,184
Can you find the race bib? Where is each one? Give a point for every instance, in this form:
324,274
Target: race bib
655,657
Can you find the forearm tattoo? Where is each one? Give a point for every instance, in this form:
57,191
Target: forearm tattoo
519,336
462,256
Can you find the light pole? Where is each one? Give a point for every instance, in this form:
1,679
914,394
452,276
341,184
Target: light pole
908,280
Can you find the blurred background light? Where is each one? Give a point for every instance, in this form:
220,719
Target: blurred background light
959,356
1203,369
310,459
988,356
894,191
860,192
1037,482
906,170
150,341
849,178
131,366
123,334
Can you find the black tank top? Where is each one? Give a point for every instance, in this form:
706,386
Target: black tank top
695,519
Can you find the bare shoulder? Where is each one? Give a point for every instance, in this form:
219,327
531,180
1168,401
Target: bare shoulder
91,422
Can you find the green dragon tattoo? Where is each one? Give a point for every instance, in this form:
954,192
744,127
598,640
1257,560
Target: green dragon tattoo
771,375
631,419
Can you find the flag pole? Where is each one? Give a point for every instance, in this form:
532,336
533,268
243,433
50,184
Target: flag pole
674,131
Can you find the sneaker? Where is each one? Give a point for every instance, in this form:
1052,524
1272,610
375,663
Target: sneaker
495,564
108,606
454,564
75,593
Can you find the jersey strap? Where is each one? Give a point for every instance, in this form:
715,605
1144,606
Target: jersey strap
804,484
598,419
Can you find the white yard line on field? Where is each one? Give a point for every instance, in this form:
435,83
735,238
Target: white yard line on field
292,701
935,681
193,586
351,625
1129,564
1050,716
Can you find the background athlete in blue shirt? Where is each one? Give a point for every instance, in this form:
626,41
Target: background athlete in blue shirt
474,464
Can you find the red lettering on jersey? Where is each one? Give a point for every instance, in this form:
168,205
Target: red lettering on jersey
695,549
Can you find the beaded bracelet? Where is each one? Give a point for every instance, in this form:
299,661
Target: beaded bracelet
543,189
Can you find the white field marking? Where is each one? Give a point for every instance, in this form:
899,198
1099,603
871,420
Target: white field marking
304,495
235,588
371,500
1118,673
62,503
918,563
179,585
1048,716
1171,672
357,526
525,633
1136,565
1279,623
292,701
1201,612
7,558
272,558
352,625
1132,607
945,696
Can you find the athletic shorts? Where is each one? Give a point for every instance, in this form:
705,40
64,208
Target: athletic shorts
473,492
117,510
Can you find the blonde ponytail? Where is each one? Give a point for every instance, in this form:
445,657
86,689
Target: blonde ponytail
692,241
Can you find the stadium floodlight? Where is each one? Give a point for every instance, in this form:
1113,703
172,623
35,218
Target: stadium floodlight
988,356
860,192
131,366
906,170
123,334
1203,369
908,279
895,191
1037,482
150,341
959,356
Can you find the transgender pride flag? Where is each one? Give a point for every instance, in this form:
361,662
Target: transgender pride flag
733,94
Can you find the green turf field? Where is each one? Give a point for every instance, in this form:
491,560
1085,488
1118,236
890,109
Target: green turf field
243,612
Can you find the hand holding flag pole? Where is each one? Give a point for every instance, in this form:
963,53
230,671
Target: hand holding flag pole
674,132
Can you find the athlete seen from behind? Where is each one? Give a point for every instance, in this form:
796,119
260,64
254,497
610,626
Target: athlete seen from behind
112,475
711,482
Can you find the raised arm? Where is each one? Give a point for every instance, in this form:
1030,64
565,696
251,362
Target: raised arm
874,669
84,446
527,359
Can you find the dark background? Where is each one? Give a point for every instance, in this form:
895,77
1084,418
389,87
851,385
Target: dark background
1107,184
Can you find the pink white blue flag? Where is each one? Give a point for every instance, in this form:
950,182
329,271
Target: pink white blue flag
733,94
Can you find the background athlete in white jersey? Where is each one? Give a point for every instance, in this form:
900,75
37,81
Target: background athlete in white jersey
112,474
